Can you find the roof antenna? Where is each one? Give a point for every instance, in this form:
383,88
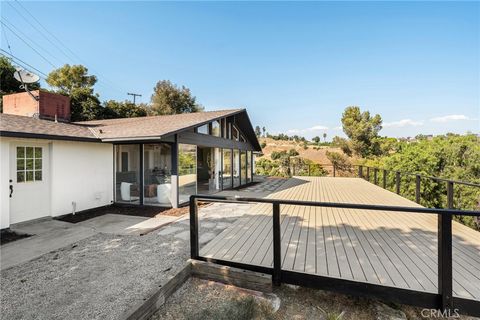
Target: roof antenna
26,78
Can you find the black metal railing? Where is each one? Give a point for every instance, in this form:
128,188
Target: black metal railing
371,174
443,300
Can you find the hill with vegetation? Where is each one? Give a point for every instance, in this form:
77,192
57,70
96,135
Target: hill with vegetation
449,156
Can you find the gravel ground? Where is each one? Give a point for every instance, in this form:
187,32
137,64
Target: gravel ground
295,303
103,276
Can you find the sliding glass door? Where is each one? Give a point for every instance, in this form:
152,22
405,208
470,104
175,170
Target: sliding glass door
127,173
157,168
236,168
227,169
187,171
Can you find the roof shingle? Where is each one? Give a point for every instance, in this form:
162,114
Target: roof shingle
126,128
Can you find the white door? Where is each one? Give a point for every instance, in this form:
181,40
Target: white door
29,181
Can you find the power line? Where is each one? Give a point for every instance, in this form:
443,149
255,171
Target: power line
30,39
19,37
71,55
104,79
6,38
35,27
22,63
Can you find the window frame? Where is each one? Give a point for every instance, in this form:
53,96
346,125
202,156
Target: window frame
26,171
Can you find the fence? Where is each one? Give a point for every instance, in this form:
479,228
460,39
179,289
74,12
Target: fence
385,178
443,300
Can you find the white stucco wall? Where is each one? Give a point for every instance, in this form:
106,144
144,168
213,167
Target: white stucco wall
82,172
4,183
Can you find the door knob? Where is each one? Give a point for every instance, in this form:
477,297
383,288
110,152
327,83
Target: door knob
11,188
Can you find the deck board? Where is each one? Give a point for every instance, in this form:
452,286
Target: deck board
380,247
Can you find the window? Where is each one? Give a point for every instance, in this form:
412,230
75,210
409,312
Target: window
124,161
29,164
235,134
203,129
216,128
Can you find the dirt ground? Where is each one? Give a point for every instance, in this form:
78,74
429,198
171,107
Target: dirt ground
201,299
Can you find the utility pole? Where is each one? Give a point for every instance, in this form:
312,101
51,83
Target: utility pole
134,96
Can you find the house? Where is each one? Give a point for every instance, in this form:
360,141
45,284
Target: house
52,167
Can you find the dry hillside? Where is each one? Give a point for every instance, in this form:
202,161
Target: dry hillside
314,153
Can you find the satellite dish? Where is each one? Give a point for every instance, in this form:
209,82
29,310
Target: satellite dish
25,77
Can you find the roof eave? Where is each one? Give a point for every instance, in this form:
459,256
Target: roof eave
16,134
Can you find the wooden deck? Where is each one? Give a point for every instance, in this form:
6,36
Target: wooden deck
386,248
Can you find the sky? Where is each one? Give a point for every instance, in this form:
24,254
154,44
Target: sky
294,66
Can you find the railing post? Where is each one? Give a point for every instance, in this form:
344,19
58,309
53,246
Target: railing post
277,251
450,194
309,166
445,261
334,171
194,251
384,179
368,174
417,188
360,171
375,172
397,181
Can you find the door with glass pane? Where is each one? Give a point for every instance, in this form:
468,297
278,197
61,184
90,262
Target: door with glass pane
29,182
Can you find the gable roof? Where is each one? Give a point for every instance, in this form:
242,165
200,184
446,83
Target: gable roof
153,127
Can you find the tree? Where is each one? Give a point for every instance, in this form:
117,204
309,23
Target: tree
293,153
343,144
362,129
8,84
339,161
168,98
325,137
74,81
126,109
264,131
258,131
316,139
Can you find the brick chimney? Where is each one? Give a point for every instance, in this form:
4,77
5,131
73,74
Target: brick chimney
50,106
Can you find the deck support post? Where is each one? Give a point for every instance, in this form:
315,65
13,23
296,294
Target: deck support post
384,179
397,181
309,166
375,176
368,174
360,171
277,251
194,251
334,169
417,188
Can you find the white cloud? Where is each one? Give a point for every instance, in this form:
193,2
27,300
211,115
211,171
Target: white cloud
451,117
402,123
307,130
